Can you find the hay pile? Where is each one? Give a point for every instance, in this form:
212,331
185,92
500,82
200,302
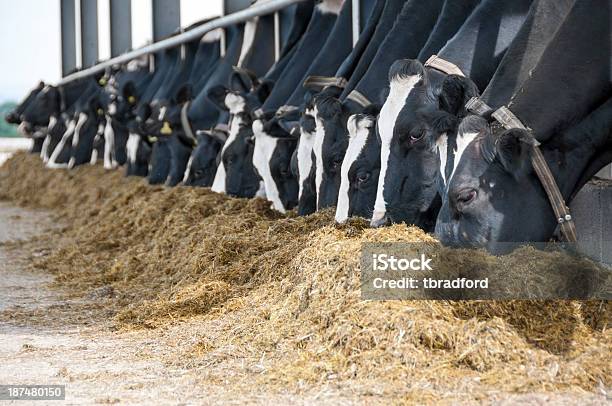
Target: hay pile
288,287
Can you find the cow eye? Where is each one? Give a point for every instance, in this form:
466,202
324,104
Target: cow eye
417,137
337,164
284,172
363,177
198,173
465,197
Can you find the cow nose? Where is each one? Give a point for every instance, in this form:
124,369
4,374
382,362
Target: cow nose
380,219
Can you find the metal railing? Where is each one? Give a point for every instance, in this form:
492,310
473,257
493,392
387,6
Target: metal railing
257,9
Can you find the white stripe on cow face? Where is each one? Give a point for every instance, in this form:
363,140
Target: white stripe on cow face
109,145
112,108
75,138
250,29
162,113
304,154
219,182
236,104
358,136
317,148
94,151
44,153
463,140
188,169
265,145
399,89
442,145
58,149
131,147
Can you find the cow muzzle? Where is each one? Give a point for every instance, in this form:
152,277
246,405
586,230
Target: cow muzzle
380,219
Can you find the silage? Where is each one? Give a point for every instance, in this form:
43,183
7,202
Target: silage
289,287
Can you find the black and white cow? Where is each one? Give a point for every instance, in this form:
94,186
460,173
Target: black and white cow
493,194
409,33
15,117
202,165
435,129
419,102
236,175
272,154
360,167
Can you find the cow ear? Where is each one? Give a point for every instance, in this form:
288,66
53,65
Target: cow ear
217,95
41,85
456,92
513,151
242,80
184,94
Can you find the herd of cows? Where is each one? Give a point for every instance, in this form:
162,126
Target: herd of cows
393,127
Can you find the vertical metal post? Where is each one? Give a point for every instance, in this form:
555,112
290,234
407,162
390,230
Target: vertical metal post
89,32
166,18
277,36
120,26
356,10
68,34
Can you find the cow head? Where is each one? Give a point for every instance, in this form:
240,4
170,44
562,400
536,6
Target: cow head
416,112
330,143
303,165
14,116
236,174
45,104
202,165
90,124
360,168
492,193
272,156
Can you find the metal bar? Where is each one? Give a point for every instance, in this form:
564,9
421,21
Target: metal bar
277,36
120,26
89,32
256,10
166,18
356,17
68,33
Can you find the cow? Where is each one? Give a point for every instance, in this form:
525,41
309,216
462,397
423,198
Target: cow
409,33
358,184
360,167
421,100
235,174
439,122
350,71
272,154
86,117
15,117
493,194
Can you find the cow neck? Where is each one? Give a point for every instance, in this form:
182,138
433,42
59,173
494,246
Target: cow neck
483,39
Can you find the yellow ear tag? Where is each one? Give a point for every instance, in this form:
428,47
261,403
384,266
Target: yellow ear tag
100,112
131,99
102,82
166,129
152,139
